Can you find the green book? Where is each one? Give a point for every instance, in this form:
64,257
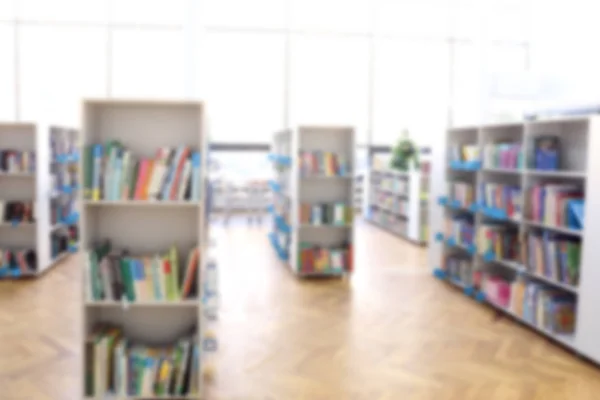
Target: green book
133,179
174,276
88,171
125,265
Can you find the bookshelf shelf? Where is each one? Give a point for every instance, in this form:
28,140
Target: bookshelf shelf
531,234
144,234
395,203
313,229
27,208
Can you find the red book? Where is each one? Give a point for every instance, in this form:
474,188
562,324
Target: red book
179,169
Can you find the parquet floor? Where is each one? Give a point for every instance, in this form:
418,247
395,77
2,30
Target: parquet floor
391,332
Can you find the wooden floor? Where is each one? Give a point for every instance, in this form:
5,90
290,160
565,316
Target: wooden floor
390,332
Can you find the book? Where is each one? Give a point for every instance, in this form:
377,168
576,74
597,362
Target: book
503,154
319,163
315,259
118,366
546,152
113,172
150,277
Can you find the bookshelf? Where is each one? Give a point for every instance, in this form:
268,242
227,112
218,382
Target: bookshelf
314,200
38,226
145,235
396,202
510,227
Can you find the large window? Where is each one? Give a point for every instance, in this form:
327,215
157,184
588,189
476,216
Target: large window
329,81
411,90
243,84
7,72
59,66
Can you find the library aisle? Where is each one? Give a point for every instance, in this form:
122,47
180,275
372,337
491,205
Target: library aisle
391,332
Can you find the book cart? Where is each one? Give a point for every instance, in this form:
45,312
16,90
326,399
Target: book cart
513,226
145,237
395,202
313,205
38,214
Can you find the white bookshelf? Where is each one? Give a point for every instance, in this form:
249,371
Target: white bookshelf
34,186
579,143
148,227
296,189
396,202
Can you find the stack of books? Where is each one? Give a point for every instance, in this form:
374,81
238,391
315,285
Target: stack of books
459,269
152,277
17,212
501,242
326,214
546,153
117,367
112,172
550,202
547,307
23,260
503,155
553,256
463,192
315,259
62,142
17,162
465,152
502,197
323,163
461,228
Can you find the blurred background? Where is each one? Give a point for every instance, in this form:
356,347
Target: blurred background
263,65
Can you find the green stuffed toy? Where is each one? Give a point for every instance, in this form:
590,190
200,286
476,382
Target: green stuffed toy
404,154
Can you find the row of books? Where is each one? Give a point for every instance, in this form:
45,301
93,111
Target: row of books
112,172
62,142
151,277
539,304
465,152
18,211
503,155
550,202
326,214
392,222
61,208
391,203
117,366
22,260
315,259
396,184
61,240
502,241
323,163
504,197
461,228
555,257
461,191
459,269
546,153
17,161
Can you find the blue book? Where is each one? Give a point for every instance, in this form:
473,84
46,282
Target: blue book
156,279
196,162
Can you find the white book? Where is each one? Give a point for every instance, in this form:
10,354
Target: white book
158,173
185,177
124,181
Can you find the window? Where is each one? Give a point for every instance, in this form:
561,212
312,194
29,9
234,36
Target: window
425,18
59,66
466,86
244,85
411,91
329,79
154,12
148,63
64,10
244,13
8,9
331,15
7,72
